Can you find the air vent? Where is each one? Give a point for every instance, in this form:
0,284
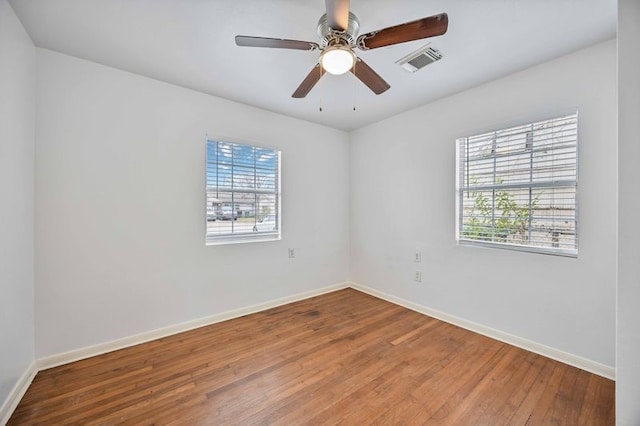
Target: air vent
420,58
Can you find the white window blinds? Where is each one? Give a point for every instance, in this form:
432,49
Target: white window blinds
516,188
243,192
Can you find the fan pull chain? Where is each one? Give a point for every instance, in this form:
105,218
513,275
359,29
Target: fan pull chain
353,85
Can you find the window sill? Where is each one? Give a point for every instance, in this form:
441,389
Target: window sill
251,238
514,247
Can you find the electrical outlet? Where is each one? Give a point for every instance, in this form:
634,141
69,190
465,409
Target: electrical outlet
417,276
417,257
292,253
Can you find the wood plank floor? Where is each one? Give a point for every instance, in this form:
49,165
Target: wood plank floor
340,358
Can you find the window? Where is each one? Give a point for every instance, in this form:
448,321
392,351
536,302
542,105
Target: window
243,193
516,188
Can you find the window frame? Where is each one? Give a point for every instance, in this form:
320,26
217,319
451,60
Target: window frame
244,237
461,189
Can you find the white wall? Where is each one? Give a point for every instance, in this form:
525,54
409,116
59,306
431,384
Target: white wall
403,199
120,215
120,208
628,353
17,120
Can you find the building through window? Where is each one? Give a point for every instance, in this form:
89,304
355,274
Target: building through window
516,187
242,193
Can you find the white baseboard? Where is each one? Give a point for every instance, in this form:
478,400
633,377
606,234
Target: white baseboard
82,353
16,394
529,345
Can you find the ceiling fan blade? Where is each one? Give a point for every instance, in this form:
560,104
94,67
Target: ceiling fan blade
369,77
337,14
279,43
309,81
422,28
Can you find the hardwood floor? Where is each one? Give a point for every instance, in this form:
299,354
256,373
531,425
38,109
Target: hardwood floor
344,357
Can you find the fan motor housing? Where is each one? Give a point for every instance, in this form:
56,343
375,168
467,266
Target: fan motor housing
329,36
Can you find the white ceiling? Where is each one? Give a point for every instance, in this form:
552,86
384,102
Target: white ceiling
191,43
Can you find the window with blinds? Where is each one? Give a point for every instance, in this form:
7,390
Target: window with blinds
243,193
516,188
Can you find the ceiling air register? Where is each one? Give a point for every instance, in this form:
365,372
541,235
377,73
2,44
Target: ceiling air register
420,58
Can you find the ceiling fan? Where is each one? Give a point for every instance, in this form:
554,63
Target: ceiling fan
338,31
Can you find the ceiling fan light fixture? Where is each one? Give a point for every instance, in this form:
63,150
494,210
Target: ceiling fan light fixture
338,31
337,60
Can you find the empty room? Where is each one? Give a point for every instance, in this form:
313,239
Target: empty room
319,212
